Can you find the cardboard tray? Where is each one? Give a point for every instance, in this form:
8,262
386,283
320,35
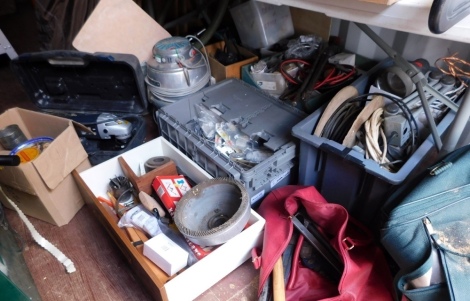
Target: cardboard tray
192,281
73,83
221,72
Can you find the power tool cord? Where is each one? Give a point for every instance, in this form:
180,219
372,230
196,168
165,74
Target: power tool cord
342,119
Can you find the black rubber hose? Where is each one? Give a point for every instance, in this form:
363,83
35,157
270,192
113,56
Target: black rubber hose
219,15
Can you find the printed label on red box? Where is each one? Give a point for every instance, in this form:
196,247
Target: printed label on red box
168,186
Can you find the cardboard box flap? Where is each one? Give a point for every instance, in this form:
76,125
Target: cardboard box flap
40,124
63,159
120,26
81,128
19,177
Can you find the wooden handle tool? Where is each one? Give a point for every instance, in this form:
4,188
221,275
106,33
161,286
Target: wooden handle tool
151,204
279,290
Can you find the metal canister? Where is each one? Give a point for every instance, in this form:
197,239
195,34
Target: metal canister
11,136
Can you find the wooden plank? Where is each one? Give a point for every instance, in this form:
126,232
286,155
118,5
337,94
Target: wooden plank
120,26
310,22
386,2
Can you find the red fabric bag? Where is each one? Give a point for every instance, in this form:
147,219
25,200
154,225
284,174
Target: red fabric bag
366,275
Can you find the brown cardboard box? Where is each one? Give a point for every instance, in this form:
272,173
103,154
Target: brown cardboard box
308,22
44,188
219,71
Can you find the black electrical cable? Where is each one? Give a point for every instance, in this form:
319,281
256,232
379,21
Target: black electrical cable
342,119
314,72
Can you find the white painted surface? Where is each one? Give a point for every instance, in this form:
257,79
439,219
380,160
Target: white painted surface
405,15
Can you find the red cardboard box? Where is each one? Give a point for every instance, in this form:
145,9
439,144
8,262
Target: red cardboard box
170,189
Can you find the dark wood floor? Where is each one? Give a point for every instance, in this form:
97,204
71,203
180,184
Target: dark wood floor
102,271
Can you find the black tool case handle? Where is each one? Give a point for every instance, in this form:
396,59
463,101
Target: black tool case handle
73,81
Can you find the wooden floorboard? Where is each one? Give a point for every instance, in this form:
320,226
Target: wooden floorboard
102,272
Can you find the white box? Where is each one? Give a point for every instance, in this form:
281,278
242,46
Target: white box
194,280
166,254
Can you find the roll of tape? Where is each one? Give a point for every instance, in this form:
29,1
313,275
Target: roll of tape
155,162
395,80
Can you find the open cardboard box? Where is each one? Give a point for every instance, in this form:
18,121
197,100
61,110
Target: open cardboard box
220,71
44,188
192,281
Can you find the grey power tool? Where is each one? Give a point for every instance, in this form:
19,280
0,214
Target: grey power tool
105,126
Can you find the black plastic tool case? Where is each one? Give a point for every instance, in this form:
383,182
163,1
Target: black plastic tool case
73,83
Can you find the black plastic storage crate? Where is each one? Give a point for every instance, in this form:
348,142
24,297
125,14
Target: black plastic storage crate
259,112
342,175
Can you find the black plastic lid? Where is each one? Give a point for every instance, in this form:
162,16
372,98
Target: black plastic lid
79,82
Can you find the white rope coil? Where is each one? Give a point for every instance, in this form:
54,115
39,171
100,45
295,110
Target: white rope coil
374,131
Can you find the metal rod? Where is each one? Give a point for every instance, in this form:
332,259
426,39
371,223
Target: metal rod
418,79
452,105
399,61
429,117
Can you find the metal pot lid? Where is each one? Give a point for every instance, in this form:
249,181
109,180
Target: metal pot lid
173,50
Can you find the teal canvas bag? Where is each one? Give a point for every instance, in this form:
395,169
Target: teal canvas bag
427,232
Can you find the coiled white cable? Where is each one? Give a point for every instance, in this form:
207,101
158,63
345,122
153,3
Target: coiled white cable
205,52
374,131
40,240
